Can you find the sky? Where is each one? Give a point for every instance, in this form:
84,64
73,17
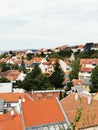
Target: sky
47,23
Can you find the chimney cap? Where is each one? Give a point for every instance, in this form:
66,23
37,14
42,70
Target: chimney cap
23,100
12,113
89,100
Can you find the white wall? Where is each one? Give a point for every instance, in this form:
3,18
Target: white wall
5,87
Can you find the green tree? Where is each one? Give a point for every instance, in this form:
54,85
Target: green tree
65,53
35,80
35,72
22,67
57,77
88,46
75,66
94,79
69,85
60,95
4,67
29,56
3,80
15,66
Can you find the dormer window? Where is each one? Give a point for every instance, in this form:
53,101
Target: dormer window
8,105
94,64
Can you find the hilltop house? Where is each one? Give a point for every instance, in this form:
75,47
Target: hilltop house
86,68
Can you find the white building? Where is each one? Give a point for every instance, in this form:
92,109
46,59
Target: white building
5,87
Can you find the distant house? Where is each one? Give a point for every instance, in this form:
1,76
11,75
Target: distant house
64,66
89,63
12,75
86,68
44,51
85,73
77,48
46,67
94,46
21,77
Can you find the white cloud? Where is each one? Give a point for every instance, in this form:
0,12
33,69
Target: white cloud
44,21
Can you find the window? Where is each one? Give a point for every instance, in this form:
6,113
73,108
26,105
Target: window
8,105
93,64
51,128
45,128
56,127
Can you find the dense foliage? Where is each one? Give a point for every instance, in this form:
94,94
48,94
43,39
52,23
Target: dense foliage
35,80
75,66
57,77
94,79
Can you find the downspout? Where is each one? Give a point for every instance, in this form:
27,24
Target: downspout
23,122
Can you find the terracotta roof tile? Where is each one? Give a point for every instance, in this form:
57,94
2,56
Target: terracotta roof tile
88,61
12,74
37,59
84,69
9,122
42,112
13,97
89,115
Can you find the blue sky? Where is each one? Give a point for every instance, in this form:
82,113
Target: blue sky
47,23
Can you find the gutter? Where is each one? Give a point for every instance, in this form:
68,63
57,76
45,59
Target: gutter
23,118
65,116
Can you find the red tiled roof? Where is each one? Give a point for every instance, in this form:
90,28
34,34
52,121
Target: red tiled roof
86,69
12,74
81,46
37,59
42,112
89,116
88,61
9,122
13,97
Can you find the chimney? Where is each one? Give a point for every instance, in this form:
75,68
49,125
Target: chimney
76,96
12,113
19,100
23,100
89,100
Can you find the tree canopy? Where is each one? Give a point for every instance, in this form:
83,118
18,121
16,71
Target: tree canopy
75,66
57,77
35,80
94,79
